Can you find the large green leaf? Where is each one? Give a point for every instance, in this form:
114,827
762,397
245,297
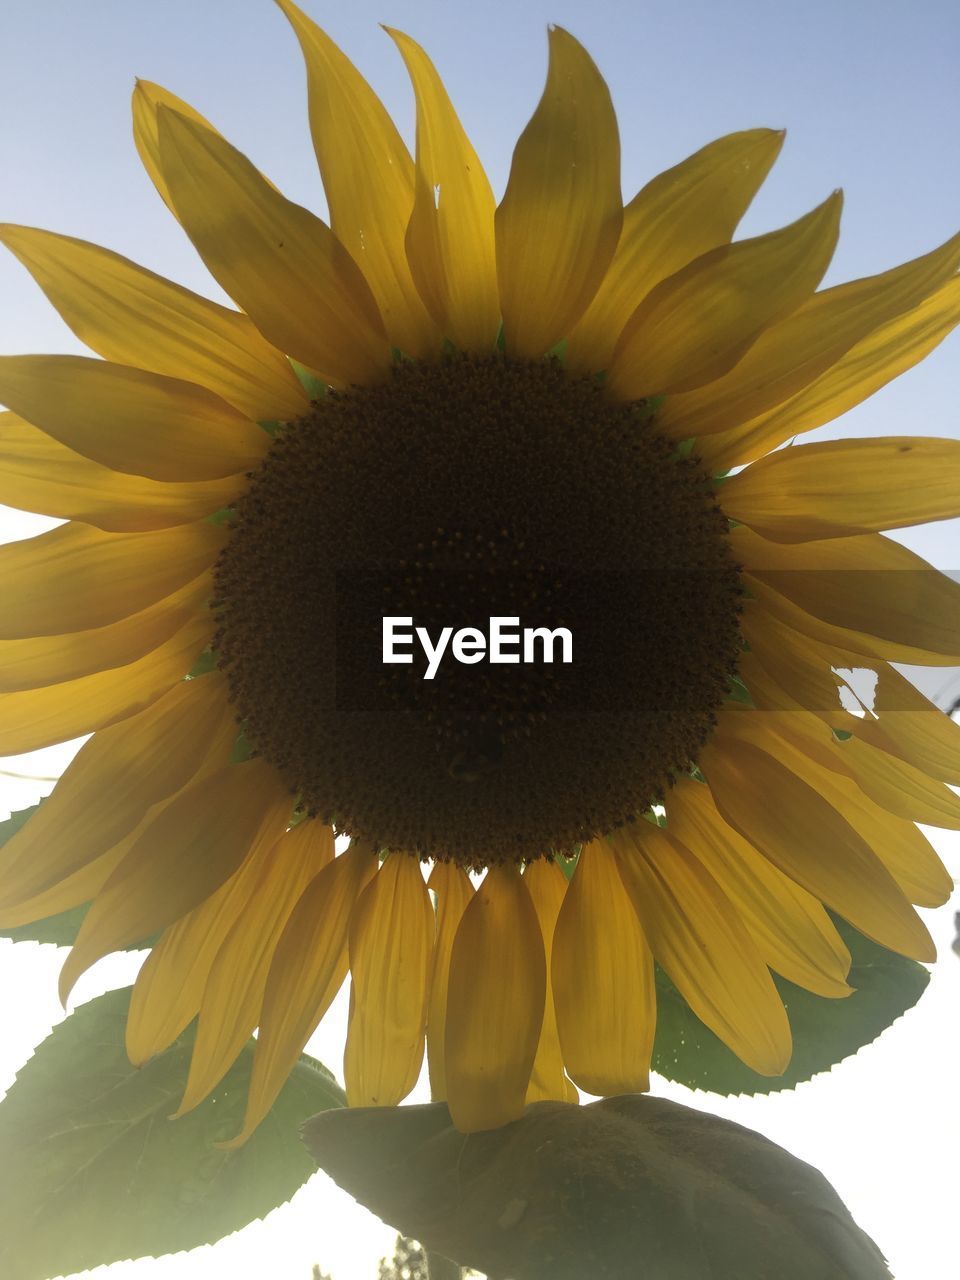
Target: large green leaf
824,1031
93,1171
634,1186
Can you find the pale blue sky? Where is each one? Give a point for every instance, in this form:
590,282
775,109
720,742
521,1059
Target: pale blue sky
868,92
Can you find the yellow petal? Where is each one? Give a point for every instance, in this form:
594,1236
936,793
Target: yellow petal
113,780
899,787
838,487
147,99
278,261
391,950
233,992
792,931
495,1003
696,325
866,586
132,421
73,891
452,886
449,241
911,727
46,660
809,840
794,662
558,224
125,313
680,215
368,177
190,849
546,885
602,975
867,367
34,718
37,473
75,578
308,969
792,354
702,943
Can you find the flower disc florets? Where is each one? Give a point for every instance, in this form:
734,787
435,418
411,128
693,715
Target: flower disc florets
453,493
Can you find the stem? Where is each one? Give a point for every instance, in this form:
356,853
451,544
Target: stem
441,1268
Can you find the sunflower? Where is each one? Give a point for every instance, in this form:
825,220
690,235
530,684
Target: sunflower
558,410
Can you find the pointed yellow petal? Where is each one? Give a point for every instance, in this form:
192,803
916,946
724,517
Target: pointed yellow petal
680,215
132,421
46,660
495,1003
799,665
546,885
113,780
602,976
792,354
391,951
808,839
839,487
281,264
912,727
125,313
696,325
368,177
449,241
37,473
233,992
702,943
452,886
190,849
899,787
866,585
147,99
76,889
558,224
308,969
867,367
792,931
75,578
34,718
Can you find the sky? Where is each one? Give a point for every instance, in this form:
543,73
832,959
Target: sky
867,91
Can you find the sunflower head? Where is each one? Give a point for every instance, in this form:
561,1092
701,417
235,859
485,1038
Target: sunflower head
556,412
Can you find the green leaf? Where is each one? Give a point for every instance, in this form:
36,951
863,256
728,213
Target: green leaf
93,1170
628,1187
824,1031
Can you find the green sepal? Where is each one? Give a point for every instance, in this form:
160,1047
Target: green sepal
825,1031
315,387
94,1171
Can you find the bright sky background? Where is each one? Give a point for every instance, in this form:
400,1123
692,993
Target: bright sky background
868,92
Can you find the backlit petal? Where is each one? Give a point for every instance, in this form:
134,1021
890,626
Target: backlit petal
308,969
558,224
700,940
37,473
368,177
602,975
791,929
128,314
495,1003
278,261
792,354
678,216
870,365
546,885
75,578
809,840
34,718
449,240
452,886
391,950
147,100
838,487
233,992
695,325
191,849
130,420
